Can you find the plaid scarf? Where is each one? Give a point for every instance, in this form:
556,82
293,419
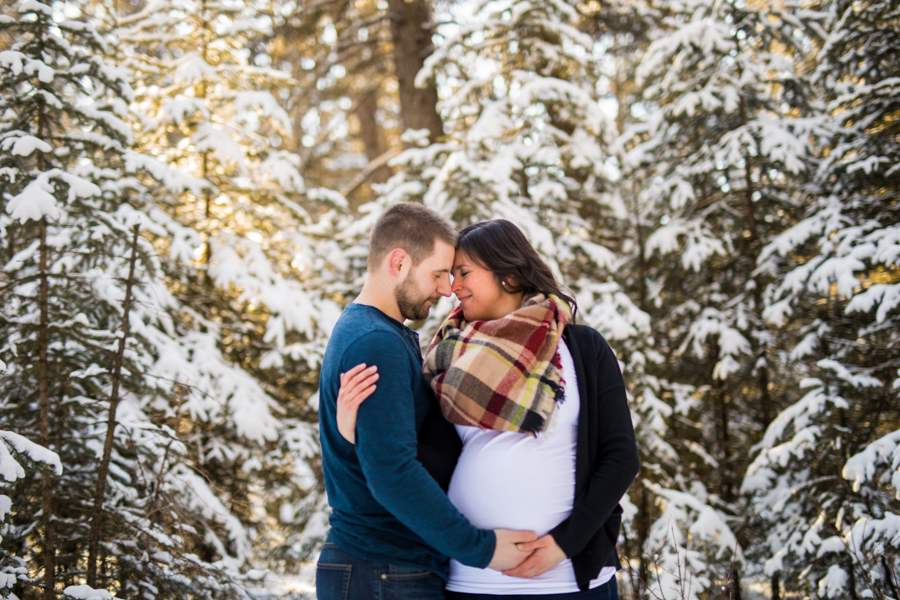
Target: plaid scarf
504,374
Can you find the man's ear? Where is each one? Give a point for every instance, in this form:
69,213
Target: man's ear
398,259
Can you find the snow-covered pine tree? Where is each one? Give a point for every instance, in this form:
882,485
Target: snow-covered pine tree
248,257
62,137
13,449
87,331
524,141
825,479
712,158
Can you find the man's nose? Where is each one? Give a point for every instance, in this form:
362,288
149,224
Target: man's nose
444,288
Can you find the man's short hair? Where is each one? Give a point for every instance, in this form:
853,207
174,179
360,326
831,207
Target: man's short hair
412,227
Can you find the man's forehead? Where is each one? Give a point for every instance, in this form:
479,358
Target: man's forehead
441,258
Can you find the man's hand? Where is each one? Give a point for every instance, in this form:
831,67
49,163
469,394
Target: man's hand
357,384
545,554
507,555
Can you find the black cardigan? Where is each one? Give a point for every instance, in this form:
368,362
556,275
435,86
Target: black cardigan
606,458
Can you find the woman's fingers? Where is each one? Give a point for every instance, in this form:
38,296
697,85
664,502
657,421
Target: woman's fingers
357,384
356,380
360,391
350,373
547,554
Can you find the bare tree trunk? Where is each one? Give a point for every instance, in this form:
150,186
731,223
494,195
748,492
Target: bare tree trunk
752,247
43,372
411,32
372,134
725,481
776,586
735,587
643,533
44,391
643,518
373,138
103,472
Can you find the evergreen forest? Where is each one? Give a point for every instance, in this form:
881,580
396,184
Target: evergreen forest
186,192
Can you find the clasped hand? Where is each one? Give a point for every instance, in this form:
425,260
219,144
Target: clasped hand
519,554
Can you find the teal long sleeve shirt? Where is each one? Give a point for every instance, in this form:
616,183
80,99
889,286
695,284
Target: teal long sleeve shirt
386,508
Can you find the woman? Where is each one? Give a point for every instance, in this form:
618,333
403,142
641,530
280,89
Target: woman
539,406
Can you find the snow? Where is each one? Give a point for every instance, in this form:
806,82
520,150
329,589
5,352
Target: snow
45,73
176,109
193,69
37,199
108,120
883,452
12,470
36,7
266,104
86,592
281,167
34,202
217,140
91,371
26,145
12,60
885,297
834,583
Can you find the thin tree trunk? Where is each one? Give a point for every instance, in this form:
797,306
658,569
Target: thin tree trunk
411,32
204,173
889,576
735,582
852,576
643,517
752,245
103,472
372,134
44,391
776,586
643,532
725,443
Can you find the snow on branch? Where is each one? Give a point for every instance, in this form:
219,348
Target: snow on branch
37,200
10,469
863,466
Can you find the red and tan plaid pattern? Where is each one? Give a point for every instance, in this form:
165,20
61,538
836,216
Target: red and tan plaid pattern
502,374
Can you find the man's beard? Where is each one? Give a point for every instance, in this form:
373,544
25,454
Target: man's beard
411,307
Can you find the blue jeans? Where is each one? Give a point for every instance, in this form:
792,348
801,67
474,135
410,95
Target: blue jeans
342,576
607,591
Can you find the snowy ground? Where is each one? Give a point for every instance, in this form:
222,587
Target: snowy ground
288,586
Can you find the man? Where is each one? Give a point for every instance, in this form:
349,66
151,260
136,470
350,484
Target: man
392,526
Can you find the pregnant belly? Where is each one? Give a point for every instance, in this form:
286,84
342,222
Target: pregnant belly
514,481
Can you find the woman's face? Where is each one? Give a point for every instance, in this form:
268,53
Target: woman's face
479,293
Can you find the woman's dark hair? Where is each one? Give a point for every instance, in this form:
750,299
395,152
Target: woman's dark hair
502,248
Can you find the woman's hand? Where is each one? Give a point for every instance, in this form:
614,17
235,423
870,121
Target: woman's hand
545,554
357,384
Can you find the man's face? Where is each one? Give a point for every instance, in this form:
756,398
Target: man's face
424,284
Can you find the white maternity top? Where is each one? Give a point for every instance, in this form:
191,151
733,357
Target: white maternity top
516,481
